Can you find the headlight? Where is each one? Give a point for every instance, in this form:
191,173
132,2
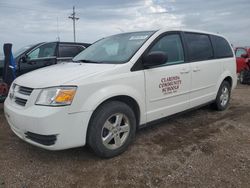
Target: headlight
56,96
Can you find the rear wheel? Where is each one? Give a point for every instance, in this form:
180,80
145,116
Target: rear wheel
223,96
111,129
242,77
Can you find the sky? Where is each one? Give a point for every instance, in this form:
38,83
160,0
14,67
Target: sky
24,22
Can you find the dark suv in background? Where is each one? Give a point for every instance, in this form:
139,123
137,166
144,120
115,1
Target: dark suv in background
43,54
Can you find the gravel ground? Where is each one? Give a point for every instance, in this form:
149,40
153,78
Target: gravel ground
202,148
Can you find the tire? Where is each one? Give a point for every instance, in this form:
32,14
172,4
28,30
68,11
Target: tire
111,129
242,77
223,96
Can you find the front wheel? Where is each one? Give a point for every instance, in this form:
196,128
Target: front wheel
223,96
111,129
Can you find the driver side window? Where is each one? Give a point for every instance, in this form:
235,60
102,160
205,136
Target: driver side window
172,46
46,50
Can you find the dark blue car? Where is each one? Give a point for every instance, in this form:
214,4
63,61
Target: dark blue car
43,54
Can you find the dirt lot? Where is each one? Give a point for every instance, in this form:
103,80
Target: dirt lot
202,148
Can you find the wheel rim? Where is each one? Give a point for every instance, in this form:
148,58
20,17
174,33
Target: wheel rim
224,96
115,131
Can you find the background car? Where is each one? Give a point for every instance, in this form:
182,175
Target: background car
243,63
43,54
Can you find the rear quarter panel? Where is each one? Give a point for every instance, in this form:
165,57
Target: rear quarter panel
229,70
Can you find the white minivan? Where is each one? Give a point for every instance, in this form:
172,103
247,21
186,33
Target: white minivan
119,84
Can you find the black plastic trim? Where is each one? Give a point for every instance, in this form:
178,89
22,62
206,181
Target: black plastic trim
20,101
47,140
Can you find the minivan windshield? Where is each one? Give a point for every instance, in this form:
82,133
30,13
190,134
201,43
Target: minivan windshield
115,49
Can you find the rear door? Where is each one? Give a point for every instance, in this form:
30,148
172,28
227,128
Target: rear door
168,85
206,70
67,51
42,56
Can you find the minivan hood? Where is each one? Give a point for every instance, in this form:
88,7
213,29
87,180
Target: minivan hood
60,74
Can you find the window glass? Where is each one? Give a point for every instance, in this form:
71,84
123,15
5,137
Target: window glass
222,48
172,46
240,51
46,50
112,48
69,51
199,47
115,49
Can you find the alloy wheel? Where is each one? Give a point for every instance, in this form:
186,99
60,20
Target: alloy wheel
115,131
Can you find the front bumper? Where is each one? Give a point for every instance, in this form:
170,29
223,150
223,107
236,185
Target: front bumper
39,124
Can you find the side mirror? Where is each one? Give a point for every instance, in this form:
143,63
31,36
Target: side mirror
23,59
155,58
244,55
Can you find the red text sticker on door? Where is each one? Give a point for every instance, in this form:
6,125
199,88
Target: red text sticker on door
170,84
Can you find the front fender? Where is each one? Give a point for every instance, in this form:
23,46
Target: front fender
92,101
117,90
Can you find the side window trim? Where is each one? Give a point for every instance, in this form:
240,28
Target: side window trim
212,46
74,45
43,58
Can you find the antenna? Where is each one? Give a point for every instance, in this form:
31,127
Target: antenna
57,30
120,29
74,18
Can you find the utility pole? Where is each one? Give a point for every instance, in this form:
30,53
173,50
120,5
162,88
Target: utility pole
74,18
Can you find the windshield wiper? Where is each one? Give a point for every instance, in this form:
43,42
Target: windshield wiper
88,61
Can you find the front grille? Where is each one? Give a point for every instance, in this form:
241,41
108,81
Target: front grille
46,140
20,101
20,94
25,90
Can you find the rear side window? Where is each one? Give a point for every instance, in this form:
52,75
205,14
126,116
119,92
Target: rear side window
199,47
222,48
69,50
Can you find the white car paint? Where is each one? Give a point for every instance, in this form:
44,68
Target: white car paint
96,83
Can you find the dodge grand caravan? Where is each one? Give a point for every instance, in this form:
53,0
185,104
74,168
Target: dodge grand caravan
119,84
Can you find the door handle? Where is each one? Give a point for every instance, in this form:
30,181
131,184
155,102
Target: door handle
196,69
185,71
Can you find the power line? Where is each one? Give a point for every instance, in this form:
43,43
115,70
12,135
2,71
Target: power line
74,18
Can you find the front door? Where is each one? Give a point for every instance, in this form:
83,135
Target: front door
168,85
42,56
